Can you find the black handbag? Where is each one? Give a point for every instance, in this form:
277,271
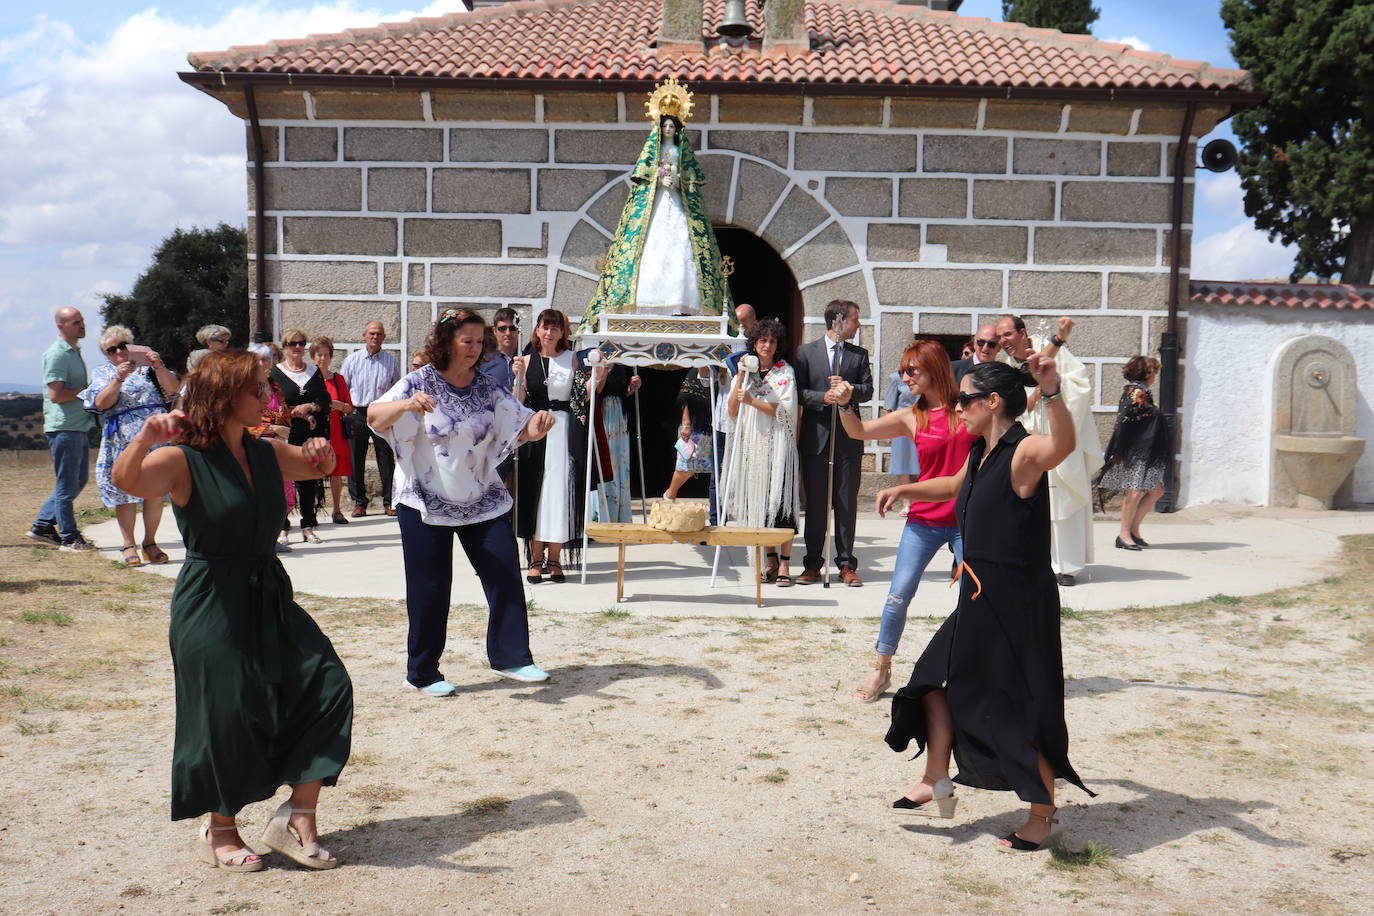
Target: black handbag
354,424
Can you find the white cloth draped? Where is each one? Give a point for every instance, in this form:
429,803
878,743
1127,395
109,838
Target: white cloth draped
765,485
554,523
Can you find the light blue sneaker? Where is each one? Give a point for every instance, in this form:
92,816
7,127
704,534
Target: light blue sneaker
529,674
437,689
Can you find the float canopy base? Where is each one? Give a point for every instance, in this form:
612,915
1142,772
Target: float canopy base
663,340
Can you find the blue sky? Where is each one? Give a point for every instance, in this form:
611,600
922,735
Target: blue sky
106,152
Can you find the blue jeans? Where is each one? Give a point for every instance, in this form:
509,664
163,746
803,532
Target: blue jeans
918,545
71,464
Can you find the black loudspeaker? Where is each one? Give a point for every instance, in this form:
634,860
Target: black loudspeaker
1219,156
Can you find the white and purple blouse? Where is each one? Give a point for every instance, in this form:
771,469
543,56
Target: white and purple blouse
446,460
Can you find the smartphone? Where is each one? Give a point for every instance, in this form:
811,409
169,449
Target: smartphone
138,355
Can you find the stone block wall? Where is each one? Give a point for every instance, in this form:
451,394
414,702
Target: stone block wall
932,214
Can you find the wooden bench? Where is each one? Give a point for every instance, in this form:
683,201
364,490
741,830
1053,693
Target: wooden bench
713,536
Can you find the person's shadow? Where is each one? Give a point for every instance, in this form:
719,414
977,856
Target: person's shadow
1092,686
593,680
1152,818
428,840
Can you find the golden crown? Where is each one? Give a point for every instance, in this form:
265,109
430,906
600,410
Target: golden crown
669,98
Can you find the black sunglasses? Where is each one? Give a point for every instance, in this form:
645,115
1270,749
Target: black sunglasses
293,343
502,328
968,397
909,370
122,345
984,343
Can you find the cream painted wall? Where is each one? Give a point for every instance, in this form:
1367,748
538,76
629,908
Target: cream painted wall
1228,397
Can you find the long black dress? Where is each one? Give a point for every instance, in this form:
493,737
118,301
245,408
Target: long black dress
998,656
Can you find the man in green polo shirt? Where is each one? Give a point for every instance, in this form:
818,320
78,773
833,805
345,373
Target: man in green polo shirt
65,423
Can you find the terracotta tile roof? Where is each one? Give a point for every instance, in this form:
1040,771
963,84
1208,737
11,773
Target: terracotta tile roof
1288,295
857,42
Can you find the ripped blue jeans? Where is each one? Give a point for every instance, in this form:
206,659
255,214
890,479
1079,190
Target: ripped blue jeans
918,545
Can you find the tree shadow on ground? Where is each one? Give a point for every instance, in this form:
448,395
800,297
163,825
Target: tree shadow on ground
1153,817
409,841
1092,686
592,681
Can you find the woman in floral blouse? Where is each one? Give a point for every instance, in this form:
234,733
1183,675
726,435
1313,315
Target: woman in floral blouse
450,427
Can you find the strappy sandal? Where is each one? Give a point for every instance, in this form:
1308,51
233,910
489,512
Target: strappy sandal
556,573
308,536
536,573
770,569
942,801
242,859
1014,844
129,560
281,837
784,580
871,696
153,553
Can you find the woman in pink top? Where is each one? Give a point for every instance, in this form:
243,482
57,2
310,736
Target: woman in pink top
942,447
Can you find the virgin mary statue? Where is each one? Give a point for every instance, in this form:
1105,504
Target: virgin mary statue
664,259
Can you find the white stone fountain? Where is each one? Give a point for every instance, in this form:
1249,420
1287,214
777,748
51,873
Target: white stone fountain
1314,446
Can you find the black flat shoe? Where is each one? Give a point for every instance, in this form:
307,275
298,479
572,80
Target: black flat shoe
1124,546
1140,541
536,574
556,572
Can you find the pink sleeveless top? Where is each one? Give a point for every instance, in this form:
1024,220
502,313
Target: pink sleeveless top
940,455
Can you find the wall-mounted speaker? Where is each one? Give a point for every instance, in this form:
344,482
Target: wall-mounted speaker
1218,156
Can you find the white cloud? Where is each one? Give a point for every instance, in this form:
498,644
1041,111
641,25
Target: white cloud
1241,252
1134,41
106,151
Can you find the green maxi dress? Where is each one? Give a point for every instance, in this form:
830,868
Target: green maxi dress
262,699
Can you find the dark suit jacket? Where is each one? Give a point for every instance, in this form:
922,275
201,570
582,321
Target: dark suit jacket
813,380
961,368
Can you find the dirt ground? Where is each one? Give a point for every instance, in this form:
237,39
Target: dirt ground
697,765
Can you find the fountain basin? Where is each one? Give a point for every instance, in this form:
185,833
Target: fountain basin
1310,469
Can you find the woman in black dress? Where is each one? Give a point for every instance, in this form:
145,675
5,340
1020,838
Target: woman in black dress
1138,451
303,389
989,687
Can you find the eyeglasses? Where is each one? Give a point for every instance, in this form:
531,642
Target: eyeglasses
909,370
122,345
968,397
505,328
293,343
977,342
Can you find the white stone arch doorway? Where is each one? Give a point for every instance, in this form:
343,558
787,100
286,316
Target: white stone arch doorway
746,198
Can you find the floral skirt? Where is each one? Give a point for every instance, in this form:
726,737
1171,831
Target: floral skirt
694,454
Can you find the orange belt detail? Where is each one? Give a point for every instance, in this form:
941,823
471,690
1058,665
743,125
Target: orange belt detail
977,586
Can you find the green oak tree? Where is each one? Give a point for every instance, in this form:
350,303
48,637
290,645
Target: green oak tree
1064,15
1307,152
197,277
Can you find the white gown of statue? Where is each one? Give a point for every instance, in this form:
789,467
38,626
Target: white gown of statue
667,277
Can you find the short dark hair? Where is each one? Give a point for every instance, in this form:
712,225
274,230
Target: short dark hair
1006,381
1139,368
837,309
1017,322
505,313
445,329
767,327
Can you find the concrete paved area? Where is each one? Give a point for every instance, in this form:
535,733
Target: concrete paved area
1196,553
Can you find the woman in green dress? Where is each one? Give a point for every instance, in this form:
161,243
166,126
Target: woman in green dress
262,699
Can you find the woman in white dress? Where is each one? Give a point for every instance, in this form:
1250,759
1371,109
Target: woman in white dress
764,489
551,477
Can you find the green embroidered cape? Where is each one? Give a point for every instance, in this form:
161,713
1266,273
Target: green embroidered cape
615,291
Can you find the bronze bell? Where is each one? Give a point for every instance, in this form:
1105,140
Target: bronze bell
733,22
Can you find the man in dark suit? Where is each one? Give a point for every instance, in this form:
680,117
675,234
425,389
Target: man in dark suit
986,343
815,364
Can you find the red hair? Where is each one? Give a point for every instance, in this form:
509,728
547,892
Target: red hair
210,393
931,359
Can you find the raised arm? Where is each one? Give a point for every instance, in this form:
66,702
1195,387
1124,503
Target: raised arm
382,415
1038,454
894,425
934,490
311,460
157,474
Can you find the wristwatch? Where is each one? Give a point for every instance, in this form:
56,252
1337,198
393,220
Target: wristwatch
1057,340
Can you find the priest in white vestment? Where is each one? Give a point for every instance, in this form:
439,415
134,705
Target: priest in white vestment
1071,515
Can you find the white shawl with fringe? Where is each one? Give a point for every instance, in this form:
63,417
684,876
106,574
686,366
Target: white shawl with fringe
764,466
